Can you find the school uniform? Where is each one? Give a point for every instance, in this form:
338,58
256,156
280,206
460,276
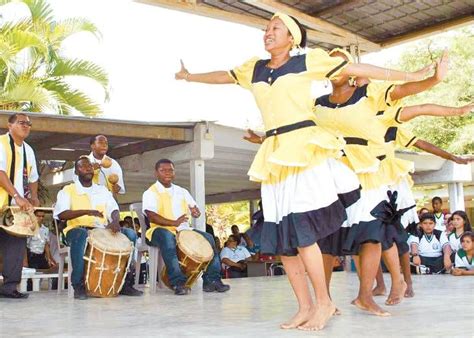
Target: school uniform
430,249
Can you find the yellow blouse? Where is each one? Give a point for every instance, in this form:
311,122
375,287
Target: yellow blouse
283,96
365,123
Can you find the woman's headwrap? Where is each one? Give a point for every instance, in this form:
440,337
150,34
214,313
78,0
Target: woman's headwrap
292,26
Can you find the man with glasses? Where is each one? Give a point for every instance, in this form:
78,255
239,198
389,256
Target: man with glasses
18,186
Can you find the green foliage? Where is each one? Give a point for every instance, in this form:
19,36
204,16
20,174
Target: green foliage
223,216
454,134
34,74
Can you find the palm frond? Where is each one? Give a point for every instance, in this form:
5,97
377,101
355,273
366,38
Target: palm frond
30,92
63,29
40,10
71,100
24,39
74,67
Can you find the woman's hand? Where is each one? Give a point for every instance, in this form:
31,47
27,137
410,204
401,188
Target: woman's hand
253,138
457,272
421,74
183,72
462,160
442,67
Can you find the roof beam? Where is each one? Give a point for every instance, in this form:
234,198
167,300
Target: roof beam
316,24
250,20
337,8
426,32
90,126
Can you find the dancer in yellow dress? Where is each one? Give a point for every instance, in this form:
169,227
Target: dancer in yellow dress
296,164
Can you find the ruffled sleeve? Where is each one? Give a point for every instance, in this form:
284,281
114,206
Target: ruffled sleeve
380,93
321,66
243,74
405,138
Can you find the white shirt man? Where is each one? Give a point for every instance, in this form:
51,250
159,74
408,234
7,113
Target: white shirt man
240,253
37,242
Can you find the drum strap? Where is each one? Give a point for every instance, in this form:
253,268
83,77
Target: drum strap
26,189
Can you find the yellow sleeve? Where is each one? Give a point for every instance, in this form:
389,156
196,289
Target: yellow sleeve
321,66
243,74
390,115
380,92
405,138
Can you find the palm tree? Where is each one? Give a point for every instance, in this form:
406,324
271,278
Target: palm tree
33,71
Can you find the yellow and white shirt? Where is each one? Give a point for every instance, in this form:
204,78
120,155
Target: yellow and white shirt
169,203
77,197
5,163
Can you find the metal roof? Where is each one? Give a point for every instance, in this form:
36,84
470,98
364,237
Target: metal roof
367,24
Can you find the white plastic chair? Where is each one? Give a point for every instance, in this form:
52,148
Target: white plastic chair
64,252
155,261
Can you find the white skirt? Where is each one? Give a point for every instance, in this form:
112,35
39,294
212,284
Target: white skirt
306,205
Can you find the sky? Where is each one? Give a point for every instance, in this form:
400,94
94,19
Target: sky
140,48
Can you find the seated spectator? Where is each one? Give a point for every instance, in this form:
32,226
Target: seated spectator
137,227
449,225
423,211
210,230
437,204
242,238
233,257
464,265
431,247
38,252
123,224
461,225
447,217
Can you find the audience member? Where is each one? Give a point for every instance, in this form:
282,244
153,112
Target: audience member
461,225
129,221
437,204
464,265
431,247
137,227
449,224
210,230
423,211
242,238
233,258
38,253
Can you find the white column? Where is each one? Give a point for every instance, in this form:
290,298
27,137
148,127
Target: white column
198,190
460,196
456,196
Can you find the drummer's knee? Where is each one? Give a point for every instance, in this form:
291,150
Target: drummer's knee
77,235
131,235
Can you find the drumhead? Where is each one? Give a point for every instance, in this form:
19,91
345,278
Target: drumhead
194,245
106,240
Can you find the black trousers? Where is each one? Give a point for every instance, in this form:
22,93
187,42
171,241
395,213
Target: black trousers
13,250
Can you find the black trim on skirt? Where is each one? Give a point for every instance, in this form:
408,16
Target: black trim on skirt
301,229
363,232
334,243
349,198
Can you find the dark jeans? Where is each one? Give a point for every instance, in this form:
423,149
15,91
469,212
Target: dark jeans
77,239
436,264
13,250
166,241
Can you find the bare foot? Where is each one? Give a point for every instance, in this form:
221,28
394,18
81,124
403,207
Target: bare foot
379,291
370,306
298,319
409,293
396,294
319,318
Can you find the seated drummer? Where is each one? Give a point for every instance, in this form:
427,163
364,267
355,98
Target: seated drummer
85,205
166,205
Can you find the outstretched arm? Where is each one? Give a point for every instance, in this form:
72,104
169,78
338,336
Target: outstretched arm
378,73
411,112
218,77
412,88
432,149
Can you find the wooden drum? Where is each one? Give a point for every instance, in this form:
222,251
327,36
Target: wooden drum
107,258
194,254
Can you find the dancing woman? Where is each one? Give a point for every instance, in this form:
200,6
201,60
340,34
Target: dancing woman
295,163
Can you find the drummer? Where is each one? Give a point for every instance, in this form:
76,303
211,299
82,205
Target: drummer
167,206
102,170
85,205
18,186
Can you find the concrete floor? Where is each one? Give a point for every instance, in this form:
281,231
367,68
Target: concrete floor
443,306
